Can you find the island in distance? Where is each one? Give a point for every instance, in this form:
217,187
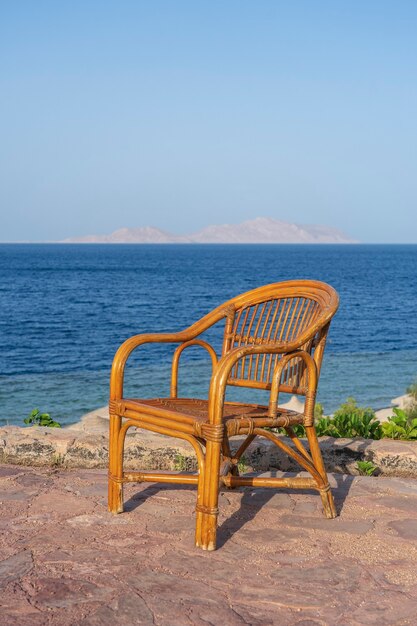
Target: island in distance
259,230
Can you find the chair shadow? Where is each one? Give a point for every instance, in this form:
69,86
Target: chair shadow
137,499
250,504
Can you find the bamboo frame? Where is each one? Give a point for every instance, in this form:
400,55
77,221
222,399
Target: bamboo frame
274,339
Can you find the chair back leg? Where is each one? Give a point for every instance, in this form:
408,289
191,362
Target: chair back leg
325,492
199,508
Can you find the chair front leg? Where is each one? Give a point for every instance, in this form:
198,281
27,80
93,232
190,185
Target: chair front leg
115,502
209,506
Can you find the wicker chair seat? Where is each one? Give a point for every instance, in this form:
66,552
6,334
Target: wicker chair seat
238,418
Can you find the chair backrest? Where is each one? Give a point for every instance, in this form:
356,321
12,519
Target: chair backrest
277,313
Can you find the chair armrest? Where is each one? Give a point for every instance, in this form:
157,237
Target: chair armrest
225,364
125,350
175,361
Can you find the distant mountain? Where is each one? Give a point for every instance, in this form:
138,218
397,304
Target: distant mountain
267,230
259,230
144,234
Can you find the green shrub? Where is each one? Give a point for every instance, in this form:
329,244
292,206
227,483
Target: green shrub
36,418
351,409
298,429
318,411
400,426
366,468
325,427
180,462
350,421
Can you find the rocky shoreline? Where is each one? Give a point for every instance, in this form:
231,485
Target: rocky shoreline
85,445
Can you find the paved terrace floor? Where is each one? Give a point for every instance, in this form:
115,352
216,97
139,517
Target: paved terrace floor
66,561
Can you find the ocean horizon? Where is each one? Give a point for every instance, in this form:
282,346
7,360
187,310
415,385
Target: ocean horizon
67,307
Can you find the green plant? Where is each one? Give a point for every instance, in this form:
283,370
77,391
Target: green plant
180,462
36,418
400,426
318,411
298,429
242,466
366,468
324,427
350,421
363,420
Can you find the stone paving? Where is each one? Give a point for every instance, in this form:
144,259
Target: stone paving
65,560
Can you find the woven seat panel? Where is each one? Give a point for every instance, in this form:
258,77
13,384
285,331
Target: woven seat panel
198,409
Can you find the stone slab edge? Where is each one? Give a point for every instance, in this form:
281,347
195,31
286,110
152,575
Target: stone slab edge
143,450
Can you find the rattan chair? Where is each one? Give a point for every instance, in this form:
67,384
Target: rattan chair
274,339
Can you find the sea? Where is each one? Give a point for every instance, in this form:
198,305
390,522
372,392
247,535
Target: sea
64,310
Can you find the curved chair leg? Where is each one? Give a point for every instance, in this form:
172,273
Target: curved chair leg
115,466
209,506
325,492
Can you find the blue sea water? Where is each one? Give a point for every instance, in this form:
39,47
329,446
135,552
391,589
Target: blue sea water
64,310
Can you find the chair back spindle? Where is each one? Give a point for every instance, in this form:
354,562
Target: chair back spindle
282,317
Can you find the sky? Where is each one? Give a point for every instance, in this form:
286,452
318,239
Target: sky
181,114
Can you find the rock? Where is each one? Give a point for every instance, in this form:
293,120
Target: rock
67,592
402,402
294,404
126,610
89,450
144,450
15,567
337,525
406,528
96,422
34,445
10,471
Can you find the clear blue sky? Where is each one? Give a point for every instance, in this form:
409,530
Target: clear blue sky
180,114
